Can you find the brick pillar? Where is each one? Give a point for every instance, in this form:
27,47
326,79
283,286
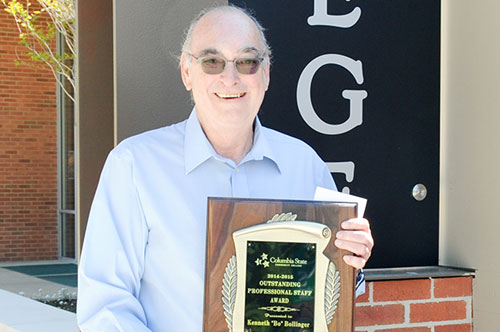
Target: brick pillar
422,305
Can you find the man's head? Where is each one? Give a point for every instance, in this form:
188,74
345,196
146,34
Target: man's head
186,44
225,92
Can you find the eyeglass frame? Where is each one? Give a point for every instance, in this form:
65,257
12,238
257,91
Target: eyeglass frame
259,58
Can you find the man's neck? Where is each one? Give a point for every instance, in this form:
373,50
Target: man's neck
231,143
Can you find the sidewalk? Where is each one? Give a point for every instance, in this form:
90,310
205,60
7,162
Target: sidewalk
19,313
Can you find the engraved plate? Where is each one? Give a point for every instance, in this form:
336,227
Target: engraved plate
264,302
280,280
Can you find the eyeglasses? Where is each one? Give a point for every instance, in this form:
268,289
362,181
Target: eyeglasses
214,64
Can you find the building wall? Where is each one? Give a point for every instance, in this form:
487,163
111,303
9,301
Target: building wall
423,305
28,155
470,156
148,87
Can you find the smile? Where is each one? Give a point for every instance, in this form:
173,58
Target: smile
230,96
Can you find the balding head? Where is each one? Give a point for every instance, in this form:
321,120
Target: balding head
187,43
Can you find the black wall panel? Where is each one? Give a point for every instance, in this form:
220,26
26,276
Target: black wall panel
395,91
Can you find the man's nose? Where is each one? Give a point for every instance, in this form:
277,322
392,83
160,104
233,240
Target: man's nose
230,75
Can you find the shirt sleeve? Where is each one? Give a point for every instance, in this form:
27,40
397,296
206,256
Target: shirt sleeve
112,260
327,180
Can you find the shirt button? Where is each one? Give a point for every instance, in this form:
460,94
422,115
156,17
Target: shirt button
237,170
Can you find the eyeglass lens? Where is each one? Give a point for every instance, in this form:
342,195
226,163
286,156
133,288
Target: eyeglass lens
216,65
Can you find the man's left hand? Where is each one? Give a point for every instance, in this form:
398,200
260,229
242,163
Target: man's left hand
355,237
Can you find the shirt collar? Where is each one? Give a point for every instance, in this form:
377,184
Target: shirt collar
197,148
261,148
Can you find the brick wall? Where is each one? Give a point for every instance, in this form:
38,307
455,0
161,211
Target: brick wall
422,305
28,154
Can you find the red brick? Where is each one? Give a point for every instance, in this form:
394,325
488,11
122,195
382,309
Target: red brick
401,290
407,329
380,314
453,287
28,138
365,297
437,311
454,328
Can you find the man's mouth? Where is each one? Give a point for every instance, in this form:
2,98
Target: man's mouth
230,95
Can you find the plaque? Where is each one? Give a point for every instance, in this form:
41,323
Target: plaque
272,266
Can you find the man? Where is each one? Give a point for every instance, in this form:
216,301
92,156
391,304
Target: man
142,265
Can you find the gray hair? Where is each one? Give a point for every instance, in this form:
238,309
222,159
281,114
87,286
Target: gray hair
186,44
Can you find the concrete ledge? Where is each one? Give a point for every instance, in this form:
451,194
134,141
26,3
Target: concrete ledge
20,314
419,272
32,287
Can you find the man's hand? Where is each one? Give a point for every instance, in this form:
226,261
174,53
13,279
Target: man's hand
355,237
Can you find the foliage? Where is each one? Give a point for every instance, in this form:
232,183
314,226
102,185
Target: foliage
64,299
37,34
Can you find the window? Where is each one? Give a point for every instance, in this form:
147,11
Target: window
66,151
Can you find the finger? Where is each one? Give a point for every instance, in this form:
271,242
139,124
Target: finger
357,230
361,224
358,249
356,262
362,237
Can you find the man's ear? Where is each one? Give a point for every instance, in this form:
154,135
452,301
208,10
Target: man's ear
267,71
185,71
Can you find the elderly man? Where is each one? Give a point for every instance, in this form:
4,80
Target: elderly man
142,266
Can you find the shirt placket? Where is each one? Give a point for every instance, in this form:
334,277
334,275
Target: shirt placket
239,183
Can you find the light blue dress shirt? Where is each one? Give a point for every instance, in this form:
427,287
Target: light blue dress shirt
143,260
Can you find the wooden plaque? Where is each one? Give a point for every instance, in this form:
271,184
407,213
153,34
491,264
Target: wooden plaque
272,266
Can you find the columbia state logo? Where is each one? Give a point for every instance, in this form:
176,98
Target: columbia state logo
262,260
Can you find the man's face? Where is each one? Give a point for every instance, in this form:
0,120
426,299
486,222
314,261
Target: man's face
229,99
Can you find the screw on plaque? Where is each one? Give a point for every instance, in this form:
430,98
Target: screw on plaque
326,232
